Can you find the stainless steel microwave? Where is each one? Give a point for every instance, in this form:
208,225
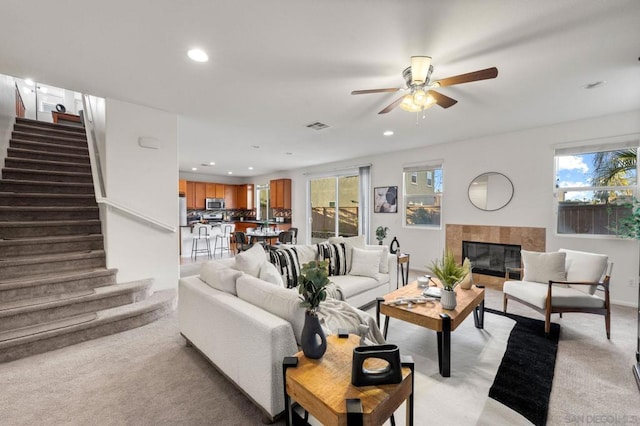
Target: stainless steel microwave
214,203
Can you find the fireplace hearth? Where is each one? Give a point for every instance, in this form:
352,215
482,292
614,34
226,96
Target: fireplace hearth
491,258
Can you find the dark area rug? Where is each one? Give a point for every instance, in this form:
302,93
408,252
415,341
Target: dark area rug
524,378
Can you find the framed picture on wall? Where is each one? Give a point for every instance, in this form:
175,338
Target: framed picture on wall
385,199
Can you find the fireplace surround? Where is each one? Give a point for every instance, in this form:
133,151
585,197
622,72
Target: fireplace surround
528,238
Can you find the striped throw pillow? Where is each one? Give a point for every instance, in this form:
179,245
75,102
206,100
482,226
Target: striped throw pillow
287,263
336,255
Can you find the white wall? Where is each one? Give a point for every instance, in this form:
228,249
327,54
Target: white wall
526,157
7,112
145,180
201,177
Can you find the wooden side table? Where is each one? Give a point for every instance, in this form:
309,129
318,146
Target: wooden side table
403,259
323,388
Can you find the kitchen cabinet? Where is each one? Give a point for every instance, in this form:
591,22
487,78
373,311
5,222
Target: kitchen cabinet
215,190
280,193
230,197
245,197
191,195
182,187
200,195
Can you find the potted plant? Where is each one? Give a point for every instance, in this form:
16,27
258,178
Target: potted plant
312,289
450,274
381,234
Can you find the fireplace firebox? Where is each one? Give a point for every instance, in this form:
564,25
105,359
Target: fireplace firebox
492,259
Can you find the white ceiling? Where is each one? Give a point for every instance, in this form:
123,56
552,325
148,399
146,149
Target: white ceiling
276,66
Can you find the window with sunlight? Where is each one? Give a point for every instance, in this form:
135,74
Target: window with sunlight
422,196
594,188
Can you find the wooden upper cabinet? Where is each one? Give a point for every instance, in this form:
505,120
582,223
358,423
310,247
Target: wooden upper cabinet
182,187
191,195
280,193
220,190
245,197
230,197
210,191
201,194
249,189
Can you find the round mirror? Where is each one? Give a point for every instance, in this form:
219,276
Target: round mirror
490,191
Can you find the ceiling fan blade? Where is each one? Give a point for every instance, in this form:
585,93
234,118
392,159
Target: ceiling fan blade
364,92
392,105
469,77
442,100
420,69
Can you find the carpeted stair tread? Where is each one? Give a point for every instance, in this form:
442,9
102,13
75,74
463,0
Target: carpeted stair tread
6,337
36,280
46,183
84,159
45,194
44,223
52,301
49,239
47,172
63,257
31,163
49,208
26,133
48,147
44,300
44,337
47,125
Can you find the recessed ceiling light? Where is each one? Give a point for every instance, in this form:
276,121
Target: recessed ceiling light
211,163
250,168
29,82
289,153
388,133
229,172
255,146
198,55
194,168
595,84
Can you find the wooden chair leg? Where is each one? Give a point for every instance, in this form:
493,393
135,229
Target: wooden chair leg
547,321
607,323
560,314
504,303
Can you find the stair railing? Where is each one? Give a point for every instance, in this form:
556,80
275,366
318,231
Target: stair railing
98,175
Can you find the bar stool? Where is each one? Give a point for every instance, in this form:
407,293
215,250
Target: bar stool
224,239
202,236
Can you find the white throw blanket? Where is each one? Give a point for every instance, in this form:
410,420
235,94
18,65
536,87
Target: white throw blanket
335,314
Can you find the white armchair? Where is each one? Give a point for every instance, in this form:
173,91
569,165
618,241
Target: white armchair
563,281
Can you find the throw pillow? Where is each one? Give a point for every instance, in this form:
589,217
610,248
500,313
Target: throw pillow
542,267
282,302
251,260
365,263
384,253
270,274
336,255
220,277
585,267
349,243
288,265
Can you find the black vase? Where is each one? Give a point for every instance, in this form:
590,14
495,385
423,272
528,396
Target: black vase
313,341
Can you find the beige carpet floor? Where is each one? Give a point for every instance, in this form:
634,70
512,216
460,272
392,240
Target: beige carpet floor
147,376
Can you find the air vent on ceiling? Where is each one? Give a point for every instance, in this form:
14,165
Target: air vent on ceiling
317,125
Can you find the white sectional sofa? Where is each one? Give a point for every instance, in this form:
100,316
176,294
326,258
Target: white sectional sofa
239,314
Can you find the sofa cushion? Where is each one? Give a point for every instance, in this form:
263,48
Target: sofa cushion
270,274
282,302
349,243
352,285
287,263
365,263
336,255
384,261
219,276
250,261
585,267
536,294
543,267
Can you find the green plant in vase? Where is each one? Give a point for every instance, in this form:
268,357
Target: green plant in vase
449,273
312,288
381,234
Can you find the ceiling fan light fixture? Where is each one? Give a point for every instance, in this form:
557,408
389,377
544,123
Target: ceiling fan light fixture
408,105
420,97
420,69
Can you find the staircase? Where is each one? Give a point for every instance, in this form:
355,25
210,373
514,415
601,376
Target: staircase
55,289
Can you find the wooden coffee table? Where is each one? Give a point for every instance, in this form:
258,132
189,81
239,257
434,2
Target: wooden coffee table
323,388
432,316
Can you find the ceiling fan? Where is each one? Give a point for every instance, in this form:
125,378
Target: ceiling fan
421,94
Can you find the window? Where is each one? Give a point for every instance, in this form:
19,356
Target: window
594,187
422,196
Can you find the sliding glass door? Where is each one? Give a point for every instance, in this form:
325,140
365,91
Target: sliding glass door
334,206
